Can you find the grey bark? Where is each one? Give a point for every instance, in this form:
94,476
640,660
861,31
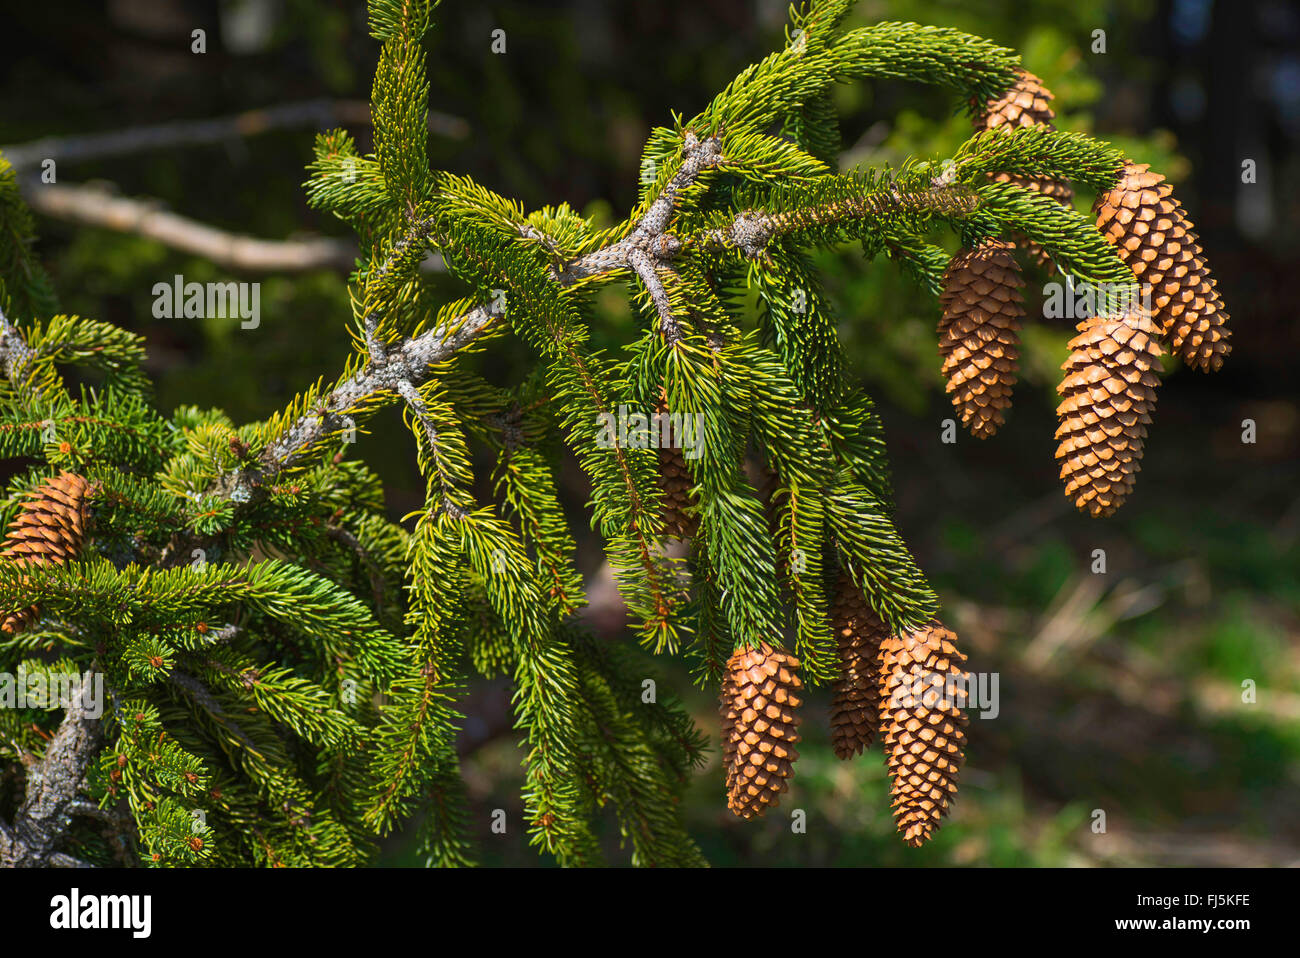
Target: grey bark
51,794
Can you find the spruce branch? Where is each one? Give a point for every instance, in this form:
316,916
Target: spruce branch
1039,151
828,209
411,361
976,67
647,248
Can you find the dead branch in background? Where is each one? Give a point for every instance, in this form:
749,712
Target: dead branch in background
321,113
100,206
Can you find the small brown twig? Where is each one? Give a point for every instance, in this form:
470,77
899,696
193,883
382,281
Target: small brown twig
99,207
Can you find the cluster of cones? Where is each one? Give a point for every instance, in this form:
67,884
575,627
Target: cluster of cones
1108,392
50,530
898,687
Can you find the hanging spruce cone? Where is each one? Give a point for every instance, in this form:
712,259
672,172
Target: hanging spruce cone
979,333
1107,396
923,726
767,484
1027,103
675,484
1057,190
1052,189
760,720
1152,234
855,701
50,530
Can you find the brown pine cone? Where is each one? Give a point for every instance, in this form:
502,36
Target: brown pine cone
15,622
1152,234
923,726
1107,396
979,333
1027,103
50,530
1058,190
760,720
675,484
767,485
855,700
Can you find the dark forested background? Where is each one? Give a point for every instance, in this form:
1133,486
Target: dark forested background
1119,692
